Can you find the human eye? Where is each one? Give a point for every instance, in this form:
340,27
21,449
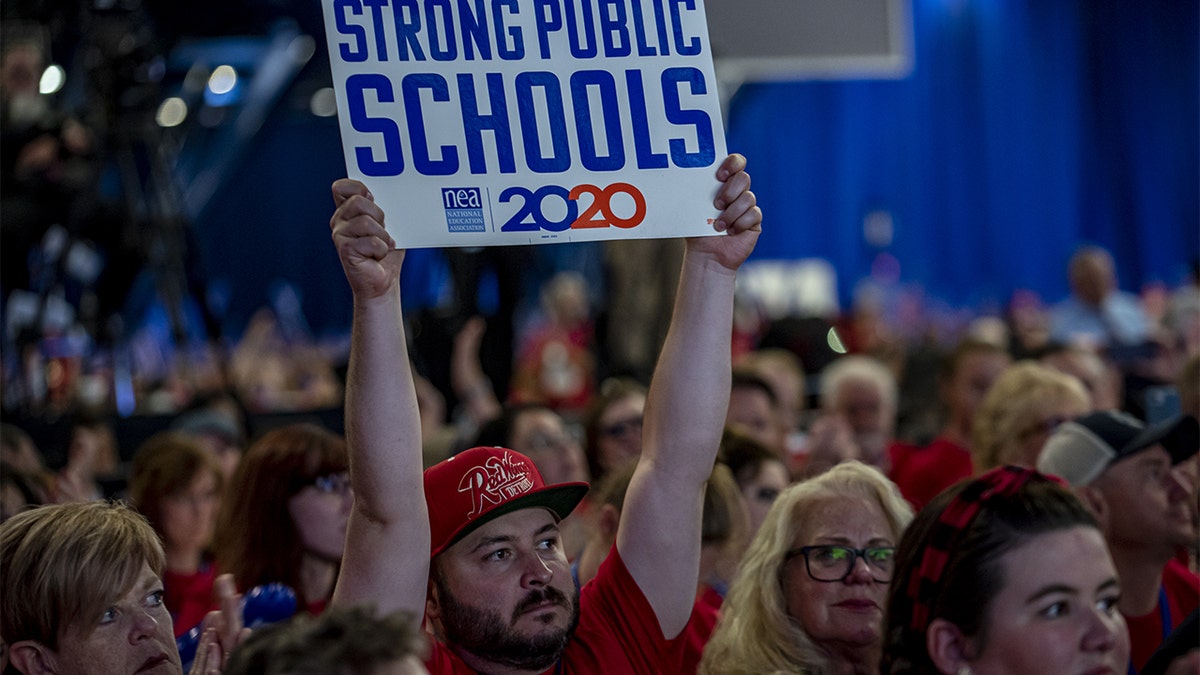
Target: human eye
830,554
1155,470
881,556
548,544
498,555
767,495
109,616
1055,610
1108,603
155,599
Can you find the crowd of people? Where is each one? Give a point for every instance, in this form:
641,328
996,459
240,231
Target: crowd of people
745,515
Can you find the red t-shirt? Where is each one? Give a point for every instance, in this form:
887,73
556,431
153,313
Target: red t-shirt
189,597
690,644
618,631
1146,633
921,473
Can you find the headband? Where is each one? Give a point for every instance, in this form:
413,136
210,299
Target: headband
950,527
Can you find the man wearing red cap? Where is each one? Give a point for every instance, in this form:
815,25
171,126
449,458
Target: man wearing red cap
473,541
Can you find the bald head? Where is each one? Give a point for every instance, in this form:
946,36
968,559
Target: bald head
1092,274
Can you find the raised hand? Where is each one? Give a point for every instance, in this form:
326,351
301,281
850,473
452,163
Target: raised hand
740,218
368,253
221,630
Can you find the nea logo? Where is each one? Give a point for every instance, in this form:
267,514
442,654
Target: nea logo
464,209
461,198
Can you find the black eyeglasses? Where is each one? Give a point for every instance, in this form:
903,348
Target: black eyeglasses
835,563
334,483
622,427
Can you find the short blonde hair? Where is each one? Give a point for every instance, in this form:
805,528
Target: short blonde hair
61,564
755,634
860,368
1013,404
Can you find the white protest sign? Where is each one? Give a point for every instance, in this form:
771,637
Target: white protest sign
492,122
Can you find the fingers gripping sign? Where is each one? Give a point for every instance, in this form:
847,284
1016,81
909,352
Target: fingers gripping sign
740,218
368,253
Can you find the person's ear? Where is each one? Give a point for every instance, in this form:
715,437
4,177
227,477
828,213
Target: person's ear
32,658
609,519
433,609
1093,498
948,648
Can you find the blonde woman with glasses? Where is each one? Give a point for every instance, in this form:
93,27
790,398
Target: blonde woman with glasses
810,594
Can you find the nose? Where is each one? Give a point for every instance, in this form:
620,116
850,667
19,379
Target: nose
1104,631
537,572
144,626
1177,489
860,572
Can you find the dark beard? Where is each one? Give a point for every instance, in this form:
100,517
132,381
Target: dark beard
483,632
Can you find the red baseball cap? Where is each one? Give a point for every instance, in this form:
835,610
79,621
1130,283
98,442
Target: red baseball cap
480,484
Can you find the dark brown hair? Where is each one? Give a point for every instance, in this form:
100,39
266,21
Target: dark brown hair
972,577
341,640
745,456
164,465
256,539
612,390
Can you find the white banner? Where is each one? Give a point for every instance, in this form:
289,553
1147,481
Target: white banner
492,122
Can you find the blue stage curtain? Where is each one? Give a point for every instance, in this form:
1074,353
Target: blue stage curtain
1025,129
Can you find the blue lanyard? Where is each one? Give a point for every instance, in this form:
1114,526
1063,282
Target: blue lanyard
1164,615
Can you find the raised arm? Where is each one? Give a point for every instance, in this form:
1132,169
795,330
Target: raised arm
659,534
386,559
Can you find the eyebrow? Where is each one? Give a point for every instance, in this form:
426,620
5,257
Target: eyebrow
843,541
489,541
1051,590
147,583
507,538
1111,582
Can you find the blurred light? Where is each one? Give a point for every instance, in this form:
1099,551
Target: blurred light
302,48
222,80
323,103
878,228
52,79
156,69
171,113
835,341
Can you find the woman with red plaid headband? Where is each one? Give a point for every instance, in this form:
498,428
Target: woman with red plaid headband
1004,573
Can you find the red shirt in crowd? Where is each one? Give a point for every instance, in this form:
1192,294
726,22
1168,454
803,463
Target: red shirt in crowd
690,644
189,597
921,473
1181,587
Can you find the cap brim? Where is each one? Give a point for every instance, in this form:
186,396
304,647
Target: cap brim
561,499
1180,436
